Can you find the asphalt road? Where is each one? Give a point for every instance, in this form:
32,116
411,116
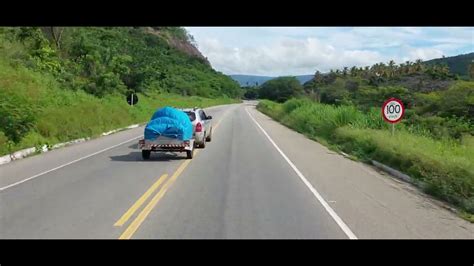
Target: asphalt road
256,179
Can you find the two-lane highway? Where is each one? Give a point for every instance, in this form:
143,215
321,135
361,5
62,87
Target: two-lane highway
238,187
85,198
256,179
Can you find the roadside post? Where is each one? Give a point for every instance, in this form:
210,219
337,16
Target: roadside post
132,98
393,111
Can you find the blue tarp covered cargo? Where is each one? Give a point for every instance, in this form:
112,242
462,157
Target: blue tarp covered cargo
169,122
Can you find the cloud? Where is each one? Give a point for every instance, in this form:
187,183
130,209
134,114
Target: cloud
284,57
424,53
295,51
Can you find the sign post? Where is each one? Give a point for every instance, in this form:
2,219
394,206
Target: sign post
393,111
132,99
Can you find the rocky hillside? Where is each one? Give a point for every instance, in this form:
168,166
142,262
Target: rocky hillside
179,39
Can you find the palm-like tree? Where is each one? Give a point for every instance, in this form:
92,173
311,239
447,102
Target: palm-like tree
317,76
408,67
353,71
419,65
344,71
391,68
404,68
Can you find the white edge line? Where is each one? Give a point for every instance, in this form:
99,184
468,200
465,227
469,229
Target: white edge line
66,164
82,158
8,158
326,206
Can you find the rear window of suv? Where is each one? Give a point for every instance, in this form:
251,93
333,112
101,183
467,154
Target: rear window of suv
191,115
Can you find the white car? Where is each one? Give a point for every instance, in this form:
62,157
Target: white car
202,126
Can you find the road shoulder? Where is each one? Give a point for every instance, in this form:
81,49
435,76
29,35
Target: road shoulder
371,203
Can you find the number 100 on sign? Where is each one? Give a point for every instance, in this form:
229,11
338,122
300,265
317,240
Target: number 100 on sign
393,110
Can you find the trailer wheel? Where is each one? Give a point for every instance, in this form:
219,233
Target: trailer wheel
189,154
146,154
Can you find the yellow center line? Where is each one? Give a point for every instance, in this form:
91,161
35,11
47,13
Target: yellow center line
214,127
133,227
140,201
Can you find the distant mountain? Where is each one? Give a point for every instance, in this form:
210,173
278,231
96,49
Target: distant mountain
304,78
457,64
251,80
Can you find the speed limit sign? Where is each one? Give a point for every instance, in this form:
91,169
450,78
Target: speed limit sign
393,110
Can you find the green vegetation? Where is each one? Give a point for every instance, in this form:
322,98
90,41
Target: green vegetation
280,89
252,80
457,64
34,110
108,60
438,104
444,168
250,92
434,143
58,84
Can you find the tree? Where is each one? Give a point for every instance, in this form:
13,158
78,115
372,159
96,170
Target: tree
419,65
444,71
401,69
280,89
55,34
330,78
409,67
353,71
336,93
458,100
251,93
318,77
391,68
352,86
344,71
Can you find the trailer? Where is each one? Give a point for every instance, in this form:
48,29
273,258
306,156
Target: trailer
166,144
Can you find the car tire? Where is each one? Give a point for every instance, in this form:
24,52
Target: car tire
189,154
146,154
208,138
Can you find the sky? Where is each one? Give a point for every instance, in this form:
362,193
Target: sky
280,51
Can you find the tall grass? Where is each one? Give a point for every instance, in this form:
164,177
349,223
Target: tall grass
60,115
444,167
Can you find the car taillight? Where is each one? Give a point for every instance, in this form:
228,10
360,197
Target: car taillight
198,127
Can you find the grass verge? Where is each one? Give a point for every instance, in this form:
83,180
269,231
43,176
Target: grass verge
444,168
